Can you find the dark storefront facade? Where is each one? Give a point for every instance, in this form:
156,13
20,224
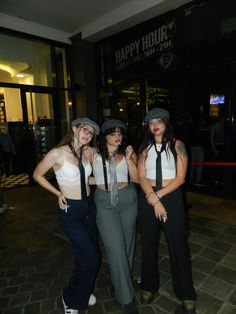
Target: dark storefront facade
183,61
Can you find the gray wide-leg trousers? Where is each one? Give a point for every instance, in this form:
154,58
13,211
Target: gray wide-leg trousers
117,226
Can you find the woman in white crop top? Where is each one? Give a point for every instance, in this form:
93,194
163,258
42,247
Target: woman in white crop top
77,210
162,167
116,216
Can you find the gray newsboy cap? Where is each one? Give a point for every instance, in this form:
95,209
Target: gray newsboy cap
157,113
112,124
86,121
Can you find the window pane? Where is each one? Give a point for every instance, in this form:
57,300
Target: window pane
25,62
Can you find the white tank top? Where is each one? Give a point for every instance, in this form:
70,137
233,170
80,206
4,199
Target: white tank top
121,170
168,164
69,173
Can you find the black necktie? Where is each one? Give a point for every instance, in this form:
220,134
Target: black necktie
82,179
158,167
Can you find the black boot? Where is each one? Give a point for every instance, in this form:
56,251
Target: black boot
189,306
130,308
146,297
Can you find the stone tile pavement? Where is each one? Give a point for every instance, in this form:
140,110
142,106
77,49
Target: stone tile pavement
36,261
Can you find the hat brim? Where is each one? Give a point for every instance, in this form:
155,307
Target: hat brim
86,121
113,124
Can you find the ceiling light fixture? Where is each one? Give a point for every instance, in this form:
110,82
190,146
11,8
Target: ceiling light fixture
8,69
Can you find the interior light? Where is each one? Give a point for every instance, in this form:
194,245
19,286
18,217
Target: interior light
8,69
128,91
19,75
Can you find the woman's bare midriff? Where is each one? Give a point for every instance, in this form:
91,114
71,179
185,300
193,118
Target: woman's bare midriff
73,192
121,185
164,182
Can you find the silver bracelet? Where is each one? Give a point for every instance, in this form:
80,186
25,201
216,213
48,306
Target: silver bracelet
148,194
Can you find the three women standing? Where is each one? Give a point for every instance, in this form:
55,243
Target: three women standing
162,168
161,171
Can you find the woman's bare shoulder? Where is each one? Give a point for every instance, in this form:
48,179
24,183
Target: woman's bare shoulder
180,148
56,153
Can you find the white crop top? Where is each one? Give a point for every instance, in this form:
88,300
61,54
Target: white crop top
69,173
121,170
168,164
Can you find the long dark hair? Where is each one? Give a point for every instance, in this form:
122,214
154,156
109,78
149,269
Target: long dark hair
102,143
168,138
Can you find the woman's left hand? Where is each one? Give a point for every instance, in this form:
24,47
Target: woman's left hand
160,211
128,152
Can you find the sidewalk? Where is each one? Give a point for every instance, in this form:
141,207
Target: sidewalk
36,261
212,207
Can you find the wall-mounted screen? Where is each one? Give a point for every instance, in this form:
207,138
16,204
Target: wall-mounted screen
216,103
216,99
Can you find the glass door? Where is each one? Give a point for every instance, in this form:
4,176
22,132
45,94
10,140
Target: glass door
40,127
13,164
40,115
27,119
35,118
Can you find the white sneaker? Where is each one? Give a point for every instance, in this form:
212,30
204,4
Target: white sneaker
92,300
67,310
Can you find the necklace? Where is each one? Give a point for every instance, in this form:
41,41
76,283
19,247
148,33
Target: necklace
112,154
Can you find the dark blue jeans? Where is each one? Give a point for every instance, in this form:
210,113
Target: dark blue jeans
79,225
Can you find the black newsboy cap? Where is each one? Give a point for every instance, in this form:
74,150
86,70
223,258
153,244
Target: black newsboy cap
157,113
112,124
86,121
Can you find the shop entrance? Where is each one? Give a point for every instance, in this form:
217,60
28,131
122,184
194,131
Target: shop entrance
27,119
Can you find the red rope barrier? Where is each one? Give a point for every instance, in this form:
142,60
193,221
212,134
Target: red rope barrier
214,163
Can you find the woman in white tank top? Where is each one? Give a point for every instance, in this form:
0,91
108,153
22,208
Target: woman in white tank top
71,162
162,167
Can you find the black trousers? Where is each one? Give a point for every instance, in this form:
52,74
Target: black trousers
175,230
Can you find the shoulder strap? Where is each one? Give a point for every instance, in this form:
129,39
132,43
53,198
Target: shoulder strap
105,173
128,175
129,178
